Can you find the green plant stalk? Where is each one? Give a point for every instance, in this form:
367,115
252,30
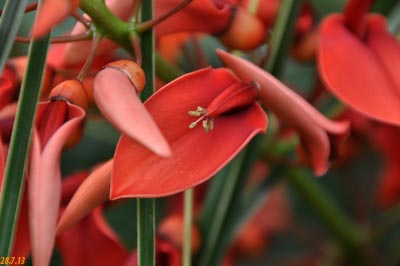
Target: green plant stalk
146,228
9,24
148,51
107,23
146,223
20,140
282,35
213,194
188,225
348,234
207,253
249,205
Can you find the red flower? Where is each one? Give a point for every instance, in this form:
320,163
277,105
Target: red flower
320,136
358,60
56,121
223,116
92,241
225,19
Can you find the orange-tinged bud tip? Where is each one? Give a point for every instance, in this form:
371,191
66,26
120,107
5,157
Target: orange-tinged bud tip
132,70
246,32
71,90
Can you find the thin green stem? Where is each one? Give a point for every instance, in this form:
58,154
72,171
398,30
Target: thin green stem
123,33
207,255
146,228
146,207
20,140
148,51
188,225
106,22
282,35
89,60
10,20
347,234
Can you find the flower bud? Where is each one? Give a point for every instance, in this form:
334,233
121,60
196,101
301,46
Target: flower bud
72,91
132,70
246,31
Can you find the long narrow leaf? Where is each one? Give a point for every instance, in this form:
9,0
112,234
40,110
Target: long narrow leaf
20,141
9,23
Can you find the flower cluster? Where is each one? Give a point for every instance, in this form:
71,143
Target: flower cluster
195,101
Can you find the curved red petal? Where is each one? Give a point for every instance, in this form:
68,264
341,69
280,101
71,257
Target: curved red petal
93,192
51,13
354,72
385,47
116,98
290,107
196,155
44,186
191,18
91,242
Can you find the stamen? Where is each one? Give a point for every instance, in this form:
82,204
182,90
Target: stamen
193,124
207,122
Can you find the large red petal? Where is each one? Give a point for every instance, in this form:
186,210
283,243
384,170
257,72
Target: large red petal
354,72
196,155
116,97
45,186
385,47
93,192
91,242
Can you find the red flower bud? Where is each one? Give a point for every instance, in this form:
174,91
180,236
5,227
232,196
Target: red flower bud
246,31
72,91
132,70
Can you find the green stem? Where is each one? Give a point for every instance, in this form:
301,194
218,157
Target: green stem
347,234
207,255
188,224
146,207
282,35
148,51
20,140
146,228
121,32
9,23
106,22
